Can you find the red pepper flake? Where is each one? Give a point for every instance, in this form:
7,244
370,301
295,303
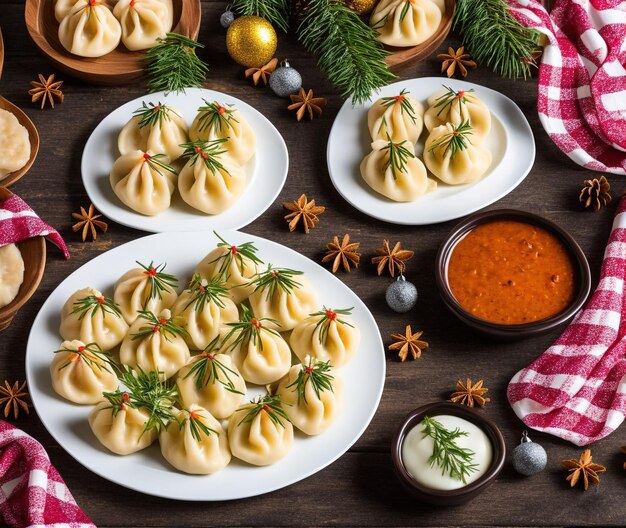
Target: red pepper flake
266,408
398,98
198,150
331,315
221,110
146,156
309,369
256,323
233,250
157,107
275,273
125,397
157,328
460,94
151,271
100,299
211,356
455,133
194,414
81,348
204,155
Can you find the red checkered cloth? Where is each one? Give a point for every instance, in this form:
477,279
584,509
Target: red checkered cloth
576,390
32,493
19,222
582,80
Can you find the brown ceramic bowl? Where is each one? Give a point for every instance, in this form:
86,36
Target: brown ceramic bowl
33,252
121,66
448,497
507,331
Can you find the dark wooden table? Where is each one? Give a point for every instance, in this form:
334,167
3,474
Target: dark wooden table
359,489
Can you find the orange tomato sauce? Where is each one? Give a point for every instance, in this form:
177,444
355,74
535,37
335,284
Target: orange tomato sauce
511,272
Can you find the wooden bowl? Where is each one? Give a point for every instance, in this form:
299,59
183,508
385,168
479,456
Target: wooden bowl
121,66
403,56
33,252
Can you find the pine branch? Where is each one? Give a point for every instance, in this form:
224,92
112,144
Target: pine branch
347,50
493,37
275,11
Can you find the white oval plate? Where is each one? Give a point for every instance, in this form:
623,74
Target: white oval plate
147,471
510,140
267,171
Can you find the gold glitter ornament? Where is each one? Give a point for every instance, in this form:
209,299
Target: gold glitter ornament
362,7
251,41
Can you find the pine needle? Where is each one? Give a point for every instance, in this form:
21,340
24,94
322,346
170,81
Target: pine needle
275,11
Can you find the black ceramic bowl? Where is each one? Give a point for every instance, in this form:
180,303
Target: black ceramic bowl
448,497
583,275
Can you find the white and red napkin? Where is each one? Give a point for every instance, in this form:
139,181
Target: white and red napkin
582,78
19,222
32,493
576,389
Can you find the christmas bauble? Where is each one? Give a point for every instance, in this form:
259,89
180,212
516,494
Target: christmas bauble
362,7
401,295
227,18
529,458
285,80
251,41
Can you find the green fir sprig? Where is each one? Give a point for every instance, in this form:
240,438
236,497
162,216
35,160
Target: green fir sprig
158,280
445,101
209,151
398,157
275,11
91,304
93,356
204,292
455,141
118,401
248,329
315,373
239,253
158,163
196,426
326,317
157,325
454,460
216,117
207,369
405,104
268,404
172,65
150,114
273,280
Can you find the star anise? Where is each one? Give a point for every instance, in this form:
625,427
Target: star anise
302,209
14,398
46,90
304,102
585,467
392,258
88,222
454,59
595,193
344,252
408,342
262,73
470,393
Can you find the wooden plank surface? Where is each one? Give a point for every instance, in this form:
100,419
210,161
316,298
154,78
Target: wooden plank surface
360,488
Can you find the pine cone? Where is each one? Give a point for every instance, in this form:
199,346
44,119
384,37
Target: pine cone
595,193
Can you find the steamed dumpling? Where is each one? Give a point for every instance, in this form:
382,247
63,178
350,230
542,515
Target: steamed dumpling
154,128
455,165
312,396
82,372
450,106
217,121
260,433
15,144
404,180
144,288
143,22
90,29
195,443
211,181
212,381
327,335
202,310
282,296
93,318
235,265
11,273
397,118
155,344
405,23
62,8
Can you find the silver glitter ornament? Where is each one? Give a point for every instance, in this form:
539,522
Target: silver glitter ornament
285,80
401,295
227,18
529,458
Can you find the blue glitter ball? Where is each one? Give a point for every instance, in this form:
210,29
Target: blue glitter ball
529,458
401,295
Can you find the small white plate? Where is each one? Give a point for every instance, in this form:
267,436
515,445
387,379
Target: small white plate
147,471
510,141
267,171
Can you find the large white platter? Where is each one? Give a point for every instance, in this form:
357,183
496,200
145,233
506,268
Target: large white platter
267,171
147,471
510,140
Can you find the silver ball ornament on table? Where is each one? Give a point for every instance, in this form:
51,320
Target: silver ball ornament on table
529,458
285,80
401,295
227,18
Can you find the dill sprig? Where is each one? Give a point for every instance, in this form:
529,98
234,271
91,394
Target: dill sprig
157,163
166,327
445,101
274,11
203,292
172,65
147,391
493,36
405,104
268,404
209,151
455,141
216,117
326,317
247,250
207,369
158,281
317,373
93,356
248,329
398,157
118,401
447,454
92,303
196,426
275,279
151,114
